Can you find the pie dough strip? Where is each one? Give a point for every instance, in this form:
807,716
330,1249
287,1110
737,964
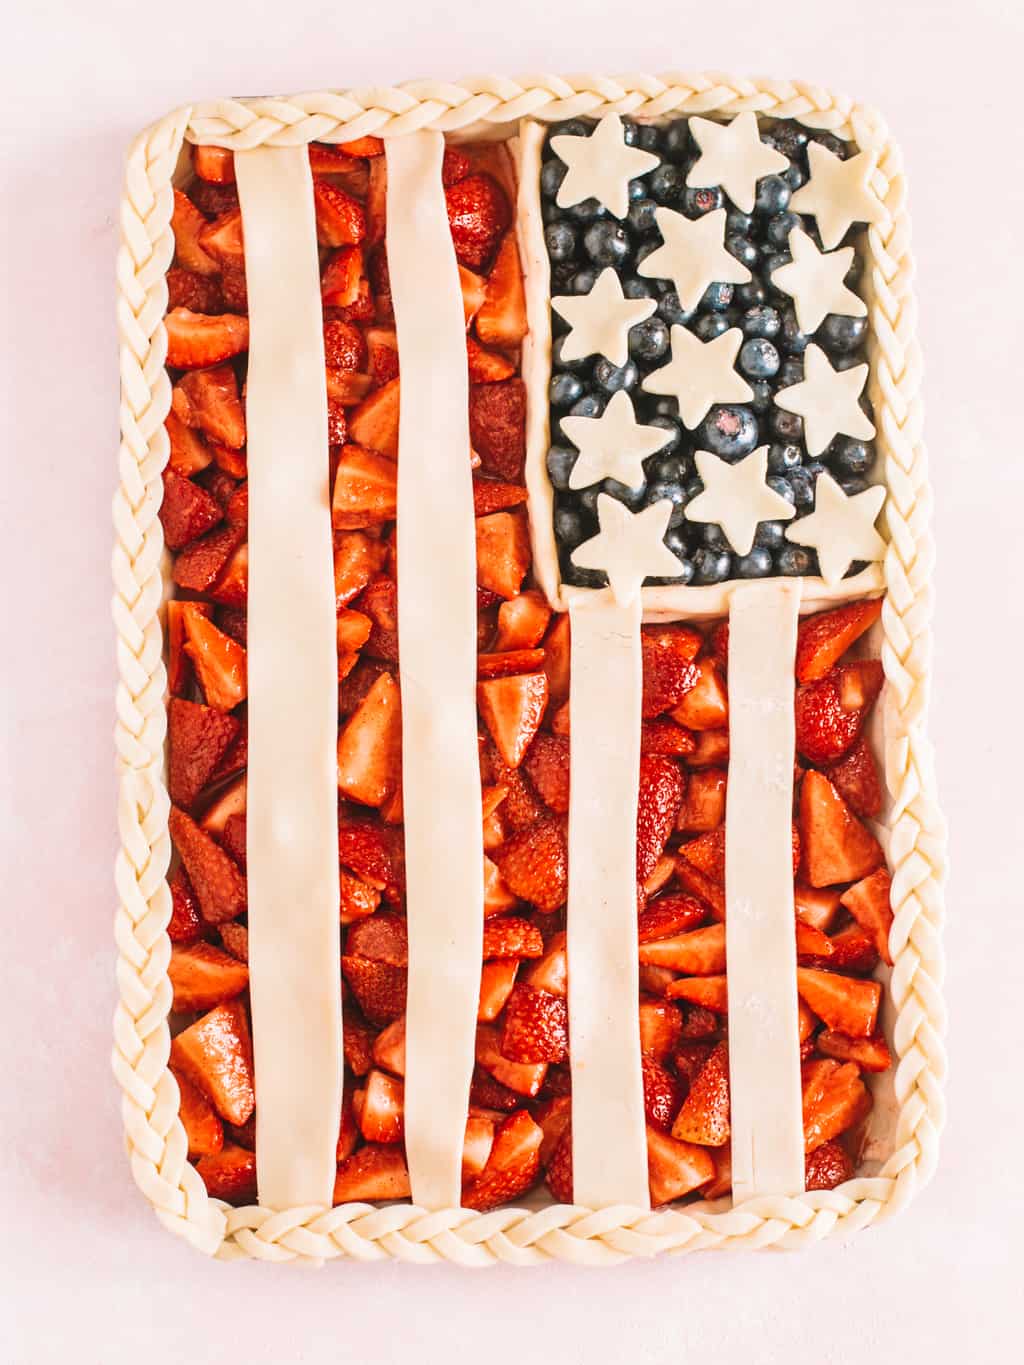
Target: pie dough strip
292,816
609,1141
764,1060
437,629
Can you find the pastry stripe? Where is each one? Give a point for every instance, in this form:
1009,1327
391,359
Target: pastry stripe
609,1145
292,820
437,629
764,1062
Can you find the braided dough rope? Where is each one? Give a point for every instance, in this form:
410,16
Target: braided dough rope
916,830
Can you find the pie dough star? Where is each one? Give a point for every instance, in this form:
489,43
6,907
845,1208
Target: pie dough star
838,193
733,156
601,320
700,374
736,497
840,528
814,281
693,255
600,166
612,446
827,400
629,547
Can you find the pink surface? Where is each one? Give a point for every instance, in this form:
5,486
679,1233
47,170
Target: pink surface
88,1274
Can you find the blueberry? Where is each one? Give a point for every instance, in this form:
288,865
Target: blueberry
786,137
834,144
775,260
613,378
852,484
772,195
841,335
648,340
587,211
630,131
791,339
762,399
756,564
738,221
560,240
761,321
697,202
648,138
752,294
665,406
677,139
571,127
814,468
562,277
669,492
641,215
590,405
570,529
667,467
802,485
714,537
730,431
795,176
780,484
584,578
849,362
551,177
582,282
675,540
633,498
716,298
557,361
667,184
786,426
672,311
560,462
549,212
783,458
794,561
743,249
564,390
770,534
792,372
633,287
855,271
606,243
758,358
711,325
712,566
778,228
694,488
851,458
588,499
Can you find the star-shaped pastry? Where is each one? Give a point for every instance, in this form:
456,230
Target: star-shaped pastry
600,166
838,193
840,528
814,281
827,400
700,374
601,320
612,446
693,255
629,547
736,497
733,156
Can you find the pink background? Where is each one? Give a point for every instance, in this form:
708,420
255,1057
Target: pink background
88,1274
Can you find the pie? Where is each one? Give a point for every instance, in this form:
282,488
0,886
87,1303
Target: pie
561,848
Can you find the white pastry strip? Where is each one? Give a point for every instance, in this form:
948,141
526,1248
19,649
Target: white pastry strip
292,818
609,1145
764,1059
437,628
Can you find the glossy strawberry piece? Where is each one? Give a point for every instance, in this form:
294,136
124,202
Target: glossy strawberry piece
215,1053
195,340
513,1165
660,795
823,639
856,779
478,212
219,885
497,427
668,664
198,739
536,1026
512,709
202,976
535,865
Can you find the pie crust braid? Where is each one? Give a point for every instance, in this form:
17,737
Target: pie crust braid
155,1137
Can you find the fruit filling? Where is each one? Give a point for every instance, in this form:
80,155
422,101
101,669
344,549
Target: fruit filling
518,1132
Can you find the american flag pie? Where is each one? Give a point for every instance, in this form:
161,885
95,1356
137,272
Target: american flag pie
525,505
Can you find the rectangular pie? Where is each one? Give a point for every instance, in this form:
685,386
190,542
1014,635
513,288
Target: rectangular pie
529,839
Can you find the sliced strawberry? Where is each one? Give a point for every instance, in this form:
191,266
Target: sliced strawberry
344,346
496,982
704,1117
379,987
536,1026
823,639
199,566
370,746
185,924
230,801
664,871
853,950
358,1042
660,795
381,1118
711,750
870,1054
501,319
711,893
837,847
216,164
376,196
521,807
869,903
232,587
348,1129
203,1127
660,1027
213,199
374,423
385,938
859,683
669,668
487,367
506,664
512,1167
477,1145
376,855
195,341
343,282
557,660
843,1003
375,1172
554,1117
535,865
327,160
356,558
188,454
229,1174
811,944
828,1166
547,764
365,489
834,1100
824,729
187,511
512,937
214,404
661,1093
668,916
690,1058
701,952
816,907
706,705
665,737
856,779
235,938
362,146
198,738
525,1078
699,1022
223,239
219,885
202,976
522,620
340,219
187,223
707,852
455,166
232,462
478,212
473,289
215,1053
703,807
233,290
497,427
487,1093
198,293
512,710
675,1168
220,662
550,973
358,898
379,601
497,897
502,552
710,992
558,1177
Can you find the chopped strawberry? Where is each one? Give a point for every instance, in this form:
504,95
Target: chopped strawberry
502,552
179,666
385,938
535,865
477,1145
859,683
506,664
665,737
376,855
703,807
843,1003
362,146
669,668
375,1172
232,587
551,973
834,1100
478,212
675,1168
497,427
195,341
699,1022
501,319
816,906
558,1177
869,904
521,807
356,559
512,709
223,239
660,795
870,1054
700,952
348,1129
203,1127
358,898
202,976
525,1078
185,924
473,288
536,1026
660,1027
327,160
487,367
547,764
704,1117
487,1093
344,346
374,423
661,1093
199,566
664,871
343,282
496,981
358,1042
220,662
381,1118
218,883
522,620
853,950
370,746
233,290
811,944
707,852
198,738
711,893
711,750
512,937
512,1167
557,655
187,511
379,987
710,992
212,199
690,1058
824,729
188,453
837,847
828,1166
233,463
215,1053
823,639
235,938
216,164
365,489
187,223
668,916
497,897
340,219
229,1174
198,293
706,705
856,779
554,1117
379,601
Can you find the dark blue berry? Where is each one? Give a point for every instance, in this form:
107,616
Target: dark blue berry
549,212
786,137
560,240
775,260
791,339
795,176
633,498
606,243
672,311
637,189
852,484
761,321
783,458
851,458
675,540
834,144
778,228
697,202
633,287
772,195
841,335
792,372
630,131
590,405
667,184
571,127
769,534
557,361
562,277
716,298
648,340
564,390
762,399
613,378
714,537
738,221
677,138
570,528
648,138
646,248
758,358
711,325
756,564
787,427
669,492
584,578
664,406
667,467
587,211
730,431
712,566
802,485
588,499
743,249
794,561
560,462
582,282
551,177
752,294
779,483
641,215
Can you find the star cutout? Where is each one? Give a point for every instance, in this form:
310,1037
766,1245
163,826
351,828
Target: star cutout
700,374
629,548
840,528
827,400
814,280
601,320
736,497
733,156
600,167
693,256
838,193
612,446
